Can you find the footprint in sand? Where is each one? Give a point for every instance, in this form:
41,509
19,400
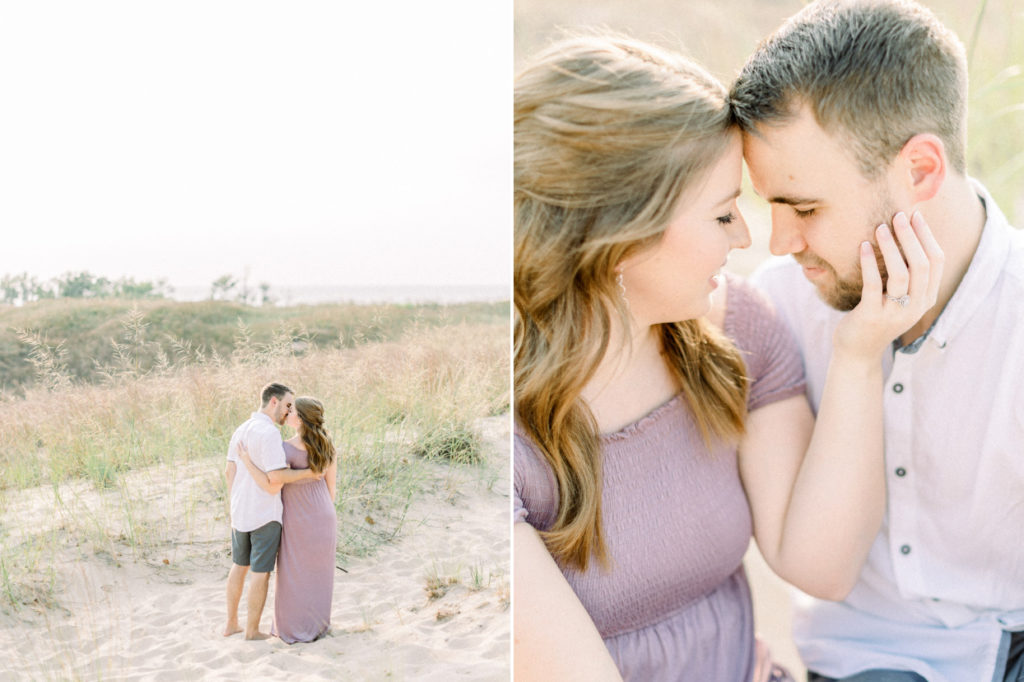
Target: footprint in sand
465,643
64,632
405,564
209,658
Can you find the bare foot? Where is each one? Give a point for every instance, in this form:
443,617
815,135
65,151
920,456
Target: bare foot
258,635
232,629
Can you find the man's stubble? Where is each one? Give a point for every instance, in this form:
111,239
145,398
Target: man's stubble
844,293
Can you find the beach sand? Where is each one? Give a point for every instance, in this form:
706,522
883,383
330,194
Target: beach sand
146,601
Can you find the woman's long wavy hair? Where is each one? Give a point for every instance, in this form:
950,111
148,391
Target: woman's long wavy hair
320,450
609,135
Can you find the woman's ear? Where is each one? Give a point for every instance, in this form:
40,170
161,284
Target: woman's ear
923,162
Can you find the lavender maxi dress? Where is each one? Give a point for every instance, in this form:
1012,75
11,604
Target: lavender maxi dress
305,562
675,604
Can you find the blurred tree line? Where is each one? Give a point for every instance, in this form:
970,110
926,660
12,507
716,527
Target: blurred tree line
24,288
230,288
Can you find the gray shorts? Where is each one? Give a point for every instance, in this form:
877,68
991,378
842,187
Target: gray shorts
256,547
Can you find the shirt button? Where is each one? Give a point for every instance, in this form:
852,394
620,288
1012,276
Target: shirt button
901,472
905,549
897,388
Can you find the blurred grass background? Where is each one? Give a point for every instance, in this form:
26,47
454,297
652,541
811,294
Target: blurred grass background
94,332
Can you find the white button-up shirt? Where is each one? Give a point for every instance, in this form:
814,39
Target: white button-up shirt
252,506
944,581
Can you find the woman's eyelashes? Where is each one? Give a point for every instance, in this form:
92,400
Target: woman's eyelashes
726,219
805,213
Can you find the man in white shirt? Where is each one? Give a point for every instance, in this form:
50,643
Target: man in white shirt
256,513
854,118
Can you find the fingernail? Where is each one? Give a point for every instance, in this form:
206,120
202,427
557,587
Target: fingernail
882,229
916,217
866,247
900,216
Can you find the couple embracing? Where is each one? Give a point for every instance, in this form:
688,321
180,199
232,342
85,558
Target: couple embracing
282,510
860,416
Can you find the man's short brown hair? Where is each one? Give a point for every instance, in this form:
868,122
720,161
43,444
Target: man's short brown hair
274,390
875,72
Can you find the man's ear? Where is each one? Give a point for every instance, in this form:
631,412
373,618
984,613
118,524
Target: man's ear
923,161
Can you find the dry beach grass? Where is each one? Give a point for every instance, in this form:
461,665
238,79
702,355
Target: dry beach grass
114,527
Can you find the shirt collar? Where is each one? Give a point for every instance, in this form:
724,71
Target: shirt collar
982,274
257,414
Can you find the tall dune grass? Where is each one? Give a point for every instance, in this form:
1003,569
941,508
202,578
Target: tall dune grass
97,337
123,468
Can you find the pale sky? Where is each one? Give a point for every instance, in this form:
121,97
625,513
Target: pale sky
315,143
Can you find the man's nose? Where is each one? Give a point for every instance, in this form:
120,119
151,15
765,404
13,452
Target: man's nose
739,233
786,237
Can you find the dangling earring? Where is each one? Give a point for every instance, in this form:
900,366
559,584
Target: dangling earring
622,287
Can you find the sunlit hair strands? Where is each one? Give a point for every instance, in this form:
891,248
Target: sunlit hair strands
320,450
610,133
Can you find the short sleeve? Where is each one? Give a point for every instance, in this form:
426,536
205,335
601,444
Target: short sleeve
519,512
535,490
772,356
272,450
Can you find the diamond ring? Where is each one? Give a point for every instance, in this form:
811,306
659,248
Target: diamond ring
901,300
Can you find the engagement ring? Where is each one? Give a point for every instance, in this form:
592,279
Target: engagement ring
902,300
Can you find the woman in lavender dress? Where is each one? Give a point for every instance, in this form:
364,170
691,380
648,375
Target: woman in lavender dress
660,411
309,528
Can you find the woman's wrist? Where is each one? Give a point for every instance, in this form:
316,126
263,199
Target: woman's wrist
858,346
857,360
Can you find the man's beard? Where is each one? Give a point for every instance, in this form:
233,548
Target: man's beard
844,293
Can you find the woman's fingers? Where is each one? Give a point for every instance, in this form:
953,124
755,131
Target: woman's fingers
934,254
917,271
917,260
872,288
898,280
889,308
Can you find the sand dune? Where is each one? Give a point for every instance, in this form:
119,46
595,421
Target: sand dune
156,614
